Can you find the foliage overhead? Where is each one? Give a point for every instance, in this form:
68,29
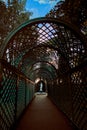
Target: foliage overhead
74,12
12,14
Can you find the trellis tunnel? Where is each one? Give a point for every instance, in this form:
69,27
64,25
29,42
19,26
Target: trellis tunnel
44,51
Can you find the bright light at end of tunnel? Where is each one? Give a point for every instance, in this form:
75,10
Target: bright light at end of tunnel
37,80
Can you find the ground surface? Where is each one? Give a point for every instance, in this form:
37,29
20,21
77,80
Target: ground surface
42,114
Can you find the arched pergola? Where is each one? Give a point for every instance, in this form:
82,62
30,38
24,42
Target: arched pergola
49,49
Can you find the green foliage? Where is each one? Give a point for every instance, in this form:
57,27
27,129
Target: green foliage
12,14
72,11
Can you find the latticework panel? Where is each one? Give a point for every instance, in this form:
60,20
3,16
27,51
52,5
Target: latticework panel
20,96
13,95
79,97
60,89
69,92
7,98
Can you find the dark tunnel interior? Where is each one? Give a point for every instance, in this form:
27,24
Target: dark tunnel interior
44,55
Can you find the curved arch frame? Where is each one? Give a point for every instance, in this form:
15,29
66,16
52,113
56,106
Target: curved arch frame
46,62
42,68
43,19
45,46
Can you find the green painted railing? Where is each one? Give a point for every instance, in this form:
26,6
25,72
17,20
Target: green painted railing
16,92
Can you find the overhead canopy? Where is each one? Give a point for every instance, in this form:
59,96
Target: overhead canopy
41,47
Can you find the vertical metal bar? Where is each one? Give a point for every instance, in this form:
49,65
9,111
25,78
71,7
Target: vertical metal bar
25,93
16,98
71,103
0,74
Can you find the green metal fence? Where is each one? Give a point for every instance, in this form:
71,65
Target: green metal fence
69,93
16,92
37,41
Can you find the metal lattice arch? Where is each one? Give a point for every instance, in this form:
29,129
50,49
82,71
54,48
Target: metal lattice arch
54,51
47,36
44,39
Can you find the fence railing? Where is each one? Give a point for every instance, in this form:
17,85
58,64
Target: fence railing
16,91
69,92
